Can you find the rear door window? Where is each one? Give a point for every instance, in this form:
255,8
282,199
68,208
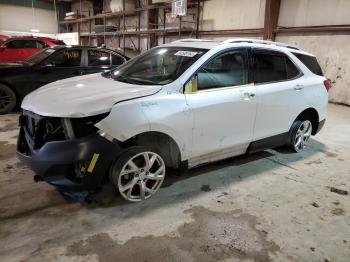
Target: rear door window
292,70
58,42
39,44
310,62
98,58
273,67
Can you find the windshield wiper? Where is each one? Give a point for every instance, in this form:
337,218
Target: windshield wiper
107,74
125,80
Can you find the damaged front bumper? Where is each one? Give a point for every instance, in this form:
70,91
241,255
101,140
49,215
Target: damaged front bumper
80,163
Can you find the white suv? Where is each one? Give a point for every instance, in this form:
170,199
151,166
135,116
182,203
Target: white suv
177,105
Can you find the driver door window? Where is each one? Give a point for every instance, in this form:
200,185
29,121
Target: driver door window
66,58
226,70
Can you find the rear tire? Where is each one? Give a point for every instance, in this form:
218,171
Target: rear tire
8,99
300,134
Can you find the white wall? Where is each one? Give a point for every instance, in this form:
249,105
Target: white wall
233,14
17,18
331,49
314,12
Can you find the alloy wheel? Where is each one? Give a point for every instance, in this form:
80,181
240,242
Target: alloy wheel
302,136
141,176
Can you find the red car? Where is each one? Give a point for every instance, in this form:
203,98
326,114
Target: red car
17,49
3,38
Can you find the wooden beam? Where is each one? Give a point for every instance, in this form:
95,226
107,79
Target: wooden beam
272,9
314,29
152,24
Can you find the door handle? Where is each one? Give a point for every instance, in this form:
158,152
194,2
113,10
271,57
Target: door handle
249,95
298,87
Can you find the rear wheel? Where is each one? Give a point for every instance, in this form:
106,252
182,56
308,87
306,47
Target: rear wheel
7,99
300,134
138,173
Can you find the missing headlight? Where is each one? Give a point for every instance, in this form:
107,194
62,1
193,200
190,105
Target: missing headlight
86,126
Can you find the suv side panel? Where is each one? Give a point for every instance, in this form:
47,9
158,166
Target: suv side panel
279,102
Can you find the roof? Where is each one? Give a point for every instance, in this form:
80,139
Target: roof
209,44
30,38
85,47
197,43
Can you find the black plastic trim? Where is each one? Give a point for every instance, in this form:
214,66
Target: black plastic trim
320,125
269,142
54,162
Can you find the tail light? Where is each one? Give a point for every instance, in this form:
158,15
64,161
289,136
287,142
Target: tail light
327,84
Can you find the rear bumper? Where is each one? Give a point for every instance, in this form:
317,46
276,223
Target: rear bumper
57,162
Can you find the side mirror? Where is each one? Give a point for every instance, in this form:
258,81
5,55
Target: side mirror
191,86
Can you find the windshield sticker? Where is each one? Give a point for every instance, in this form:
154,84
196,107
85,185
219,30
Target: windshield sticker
186,53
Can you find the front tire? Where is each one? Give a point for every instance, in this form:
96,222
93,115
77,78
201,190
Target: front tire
138,173
7,99
300,135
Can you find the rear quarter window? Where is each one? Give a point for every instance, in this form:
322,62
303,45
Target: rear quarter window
310,62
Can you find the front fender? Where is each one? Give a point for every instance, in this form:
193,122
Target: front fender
166,113
125,120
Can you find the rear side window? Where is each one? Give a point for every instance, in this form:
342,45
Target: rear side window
273,67
117,60
310,62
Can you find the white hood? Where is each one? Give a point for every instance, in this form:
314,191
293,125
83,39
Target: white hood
82,96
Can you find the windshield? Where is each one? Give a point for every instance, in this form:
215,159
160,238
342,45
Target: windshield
38,57
159,66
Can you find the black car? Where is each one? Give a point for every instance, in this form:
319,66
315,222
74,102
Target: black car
49,65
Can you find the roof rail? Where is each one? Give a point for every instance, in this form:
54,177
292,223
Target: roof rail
192,40
258,41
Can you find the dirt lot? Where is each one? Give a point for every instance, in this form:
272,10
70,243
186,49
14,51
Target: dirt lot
270,206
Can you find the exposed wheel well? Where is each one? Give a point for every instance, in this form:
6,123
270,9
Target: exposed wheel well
312,115
12,88
163,144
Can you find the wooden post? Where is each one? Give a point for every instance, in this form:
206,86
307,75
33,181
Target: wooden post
164,24
124,27
152,24
272,9
198,17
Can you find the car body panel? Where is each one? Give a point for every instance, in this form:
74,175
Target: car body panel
82,96
212,130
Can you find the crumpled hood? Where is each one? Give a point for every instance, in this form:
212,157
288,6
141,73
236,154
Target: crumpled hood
82,96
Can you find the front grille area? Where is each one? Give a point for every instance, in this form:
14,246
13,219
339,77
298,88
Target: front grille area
39,129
